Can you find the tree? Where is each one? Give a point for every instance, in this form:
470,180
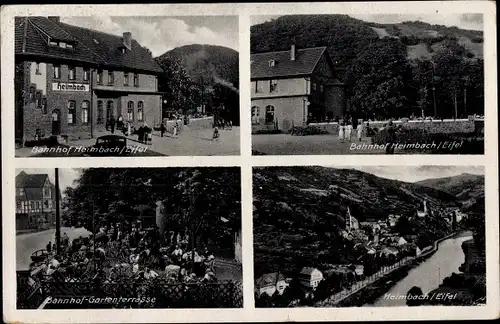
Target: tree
414,296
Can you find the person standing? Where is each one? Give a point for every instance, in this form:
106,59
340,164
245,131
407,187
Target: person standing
176,130
341,130
112,124
359,130
216,135
162,129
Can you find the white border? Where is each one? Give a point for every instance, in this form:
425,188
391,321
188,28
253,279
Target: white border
249,313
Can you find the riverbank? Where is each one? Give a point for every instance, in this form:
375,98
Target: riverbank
383,285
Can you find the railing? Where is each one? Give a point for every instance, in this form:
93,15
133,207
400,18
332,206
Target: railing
156,293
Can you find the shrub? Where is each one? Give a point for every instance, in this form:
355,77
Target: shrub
267,131
477,39
307,130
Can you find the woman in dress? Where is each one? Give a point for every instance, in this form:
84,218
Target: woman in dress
349,129
360,131
341,130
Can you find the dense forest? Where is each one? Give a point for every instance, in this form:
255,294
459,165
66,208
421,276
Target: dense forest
201,74
392,70
299,213
195,199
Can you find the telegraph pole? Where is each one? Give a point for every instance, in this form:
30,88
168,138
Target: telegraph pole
58,215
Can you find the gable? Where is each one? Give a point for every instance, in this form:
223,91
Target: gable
324,67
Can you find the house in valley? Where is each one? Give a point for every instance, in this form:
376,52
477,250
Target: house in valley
310,277
271,283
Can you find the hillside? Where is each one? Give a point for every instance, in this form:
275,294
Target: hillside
385,66
299,212
463,186
212,63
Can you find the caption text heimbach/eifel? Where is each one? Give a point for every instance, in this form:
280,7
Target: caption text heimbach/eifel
85,149
405,146
433,296
99,300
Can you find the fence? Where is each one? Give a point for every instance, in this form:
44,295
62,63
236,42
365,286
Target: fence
134,294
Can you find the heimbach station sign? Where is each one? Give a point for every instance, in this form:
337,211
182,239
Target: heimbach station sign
61,86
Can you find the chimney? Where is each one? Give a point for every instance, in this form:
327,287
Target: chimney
292,53
55,19
127,40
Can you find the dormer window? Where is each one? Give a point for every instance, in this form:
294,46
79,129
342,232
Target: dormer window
70,46
53,43
272,63
62,44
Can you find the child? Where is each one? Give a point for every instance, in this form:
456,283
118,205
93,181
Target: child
216,134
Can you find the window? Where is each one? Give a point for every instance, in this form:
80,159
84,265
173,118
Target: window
111,77
53,43
273,85
269,114
37,68
255,115
85,112
44,106
272,63
32,205
86,74
140,111
71,73
136,80
109,110
99,77
39,99
125,78
100,113
19,205
20,191
71,112
57,71
70,46
47,192
46,204
130,111
313,85
62,44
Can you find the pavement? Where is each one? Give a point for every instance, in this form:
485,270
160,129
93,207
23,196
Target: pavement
26,244
190,142
285,144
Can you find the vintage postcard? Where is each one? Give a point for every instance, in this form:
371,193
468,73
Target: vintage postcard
250,162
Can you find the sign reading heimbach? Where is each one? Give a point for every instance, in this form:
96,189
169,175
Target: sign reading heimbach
62,86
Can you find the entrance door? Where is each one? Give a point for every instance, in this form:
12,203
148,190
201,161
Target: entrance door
56,122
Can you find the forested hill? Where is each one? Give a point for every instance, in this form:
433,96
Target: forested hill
463,186
387,67
299,212
210,62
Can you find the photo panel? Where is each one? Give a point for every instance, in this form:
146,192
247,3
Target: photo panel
107,238
126,86
369,236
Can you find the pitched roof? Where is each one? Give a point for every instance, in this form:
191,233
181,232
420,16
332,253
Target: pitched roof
24,180
307,270
269,279
91,45
305,61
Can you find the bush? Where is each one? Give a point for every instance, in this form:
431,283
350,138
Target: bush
267,131
477,39
307,130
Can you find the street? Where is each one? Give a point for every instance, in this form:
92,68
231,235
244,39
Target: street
26,244
284,144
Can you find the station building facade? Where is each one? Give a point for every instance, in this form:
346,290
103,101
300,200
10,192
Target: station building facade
71,81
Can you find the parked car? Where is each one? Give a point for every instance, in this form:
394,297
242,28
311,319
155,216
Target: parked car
108,145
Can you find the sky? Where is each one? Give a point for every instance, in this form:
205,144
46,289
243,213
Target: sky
464,21
66,175
419,173
161,34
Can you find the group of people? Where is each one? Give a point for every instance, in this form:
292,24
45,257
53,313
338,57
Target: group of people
115,123
116,254
347,126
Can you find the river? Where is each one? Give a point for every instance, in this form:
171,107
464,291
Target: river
430,273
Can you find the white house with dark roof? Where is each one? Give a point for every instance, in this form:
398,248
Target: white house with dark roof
71,80
270,283
310,277
294,87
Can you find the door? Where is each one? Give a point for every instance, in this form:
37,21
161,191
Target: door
56,122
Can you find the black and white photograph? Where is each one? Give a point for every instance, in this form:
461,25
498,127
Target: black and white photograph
370,236
126,86
101,238
367,84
